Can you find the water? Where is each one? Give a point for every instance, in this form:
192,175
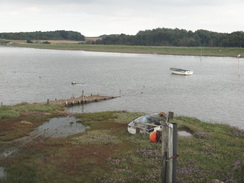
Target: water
2,173
184,134
61,127
214,93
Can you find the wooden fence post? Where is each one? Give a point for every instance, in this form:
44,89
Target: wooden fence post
169,152
170,115
175,151
242,167
164,152
82,96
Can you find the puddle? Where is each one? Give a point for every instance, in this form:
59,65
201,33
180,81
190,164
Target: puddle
7,153
2,173
61,127
55,127
184,134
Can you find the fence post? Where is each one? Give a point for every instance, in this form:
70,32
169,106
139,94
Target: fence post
175,149
242,167
171,115
164,153
82,96
169,152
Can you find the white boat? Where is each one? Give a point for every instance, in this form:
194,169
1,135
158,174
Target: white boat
179,71
147,123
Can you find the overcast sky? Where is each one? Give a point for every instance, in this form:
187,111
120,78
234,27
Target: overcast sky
97,17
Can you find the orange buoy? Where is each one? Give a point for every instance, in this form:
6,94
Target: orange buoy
153,136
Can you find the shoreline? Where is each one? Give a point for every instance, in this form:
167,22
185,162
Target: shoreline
163,50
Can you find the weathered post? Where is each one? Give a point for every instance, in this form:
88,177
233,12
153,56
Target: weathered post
242,167
82,96
175,150
170,115
164,152
169,152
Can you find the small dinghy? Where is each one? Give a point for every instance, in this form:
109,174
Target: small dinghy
147,123
179,71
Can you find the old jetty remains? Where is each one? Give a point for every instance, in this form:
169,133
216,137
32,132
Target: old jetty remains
79,100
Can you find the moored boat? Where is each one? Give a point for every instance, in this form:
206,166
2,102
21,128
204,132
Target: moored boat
179,71
147,123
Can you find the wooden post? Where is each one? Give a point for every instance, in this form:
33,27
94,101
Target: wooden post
175,149
82,96
47,101
242,167
238,56
169,152
238,67
164,152
170,115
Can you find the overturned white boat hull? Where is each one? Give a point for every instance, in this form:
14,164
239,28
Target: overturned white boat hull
181,71
147,123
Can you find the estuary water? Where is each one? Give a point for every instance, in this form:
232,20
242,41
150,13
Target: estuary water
214,93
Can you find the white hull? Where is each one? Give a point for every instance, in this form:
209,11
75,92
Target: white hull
185,73
133,130
179,71
147,124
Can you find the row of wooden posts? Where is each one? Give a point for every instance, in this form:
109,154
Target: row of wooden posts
77,100
80,100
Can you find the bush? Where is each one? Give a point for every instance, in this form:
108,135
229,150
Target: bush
29,41
46,42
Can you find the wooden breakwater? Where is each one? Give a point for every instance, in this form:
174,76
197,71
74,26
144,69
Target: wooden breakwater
79,100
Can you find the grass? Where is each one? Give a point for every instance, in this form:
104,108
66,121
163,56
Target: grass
166,50
18,120
108,153
213,153
7,112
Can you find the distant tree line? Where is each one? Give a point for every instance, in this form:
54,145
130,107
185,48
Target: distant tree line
52,35
176,37
154,37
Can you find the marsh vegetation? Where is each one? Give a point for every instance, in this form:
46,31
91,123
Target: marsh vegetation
106,152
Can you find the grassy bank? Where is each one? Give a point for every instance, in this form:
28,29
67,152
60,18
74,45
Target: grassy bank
108,153
13,118
195,51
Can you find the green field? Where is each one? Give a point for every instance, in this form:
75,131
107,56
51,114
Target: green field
196,51
108,153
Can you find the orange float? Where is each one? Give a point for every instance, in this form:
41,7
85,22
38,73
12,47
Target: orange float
153,136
